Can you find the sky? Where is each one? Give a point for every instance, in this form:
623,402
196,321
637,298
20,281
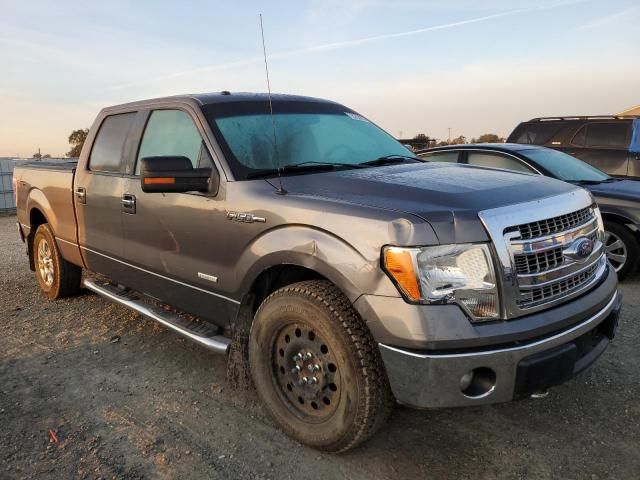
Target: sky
410,66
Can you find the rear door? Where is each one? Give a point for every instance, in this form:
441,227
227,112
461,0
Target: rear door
604,145
173,240
98,189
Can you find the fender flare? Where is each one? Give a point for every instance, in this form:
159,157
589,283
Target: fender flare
352,271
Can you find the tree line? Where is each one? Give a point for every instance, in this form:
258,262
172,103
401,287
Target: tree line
76,141
484,138
78,137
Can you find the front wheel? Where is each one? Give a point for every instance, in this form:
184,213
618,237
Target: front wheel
56,277
317,368
622,248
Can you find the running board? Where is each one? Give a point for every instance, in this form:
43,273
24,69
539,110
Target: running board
203,334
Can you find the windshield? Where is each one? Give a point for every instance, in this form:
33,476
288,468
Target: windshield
306,133
565,167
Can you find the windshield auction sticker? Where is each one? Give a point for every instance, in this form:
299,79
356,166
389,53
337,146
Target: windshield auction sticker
355,116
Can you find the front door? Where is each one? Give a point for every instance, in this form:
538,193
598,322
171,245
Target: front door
172,239
98,189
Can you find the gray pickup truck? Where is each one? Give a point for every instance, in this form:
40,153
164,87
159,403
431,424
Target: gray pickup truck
344,273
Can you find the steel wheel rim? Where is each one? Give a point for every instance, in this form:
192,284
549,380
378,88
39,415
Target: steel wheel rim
305,372
616,250
45,262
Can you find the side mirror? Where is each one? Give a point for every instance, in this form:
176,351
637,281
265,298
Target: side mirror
173,175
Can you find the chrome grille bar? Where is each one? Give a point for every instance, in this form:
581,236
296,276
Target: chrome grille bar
549,226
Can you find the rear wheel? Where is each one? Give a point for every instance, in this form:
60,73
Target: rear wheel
317,368
622,248
56,277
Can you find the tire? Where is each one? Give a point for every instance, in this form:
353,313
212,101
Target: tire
56,277
350,399
622,248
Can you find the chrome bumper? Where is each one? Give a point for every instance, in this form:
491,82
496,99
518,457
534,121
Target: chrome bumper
430,380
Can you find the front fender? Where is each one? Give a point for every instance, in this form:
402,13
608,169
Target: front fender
353,271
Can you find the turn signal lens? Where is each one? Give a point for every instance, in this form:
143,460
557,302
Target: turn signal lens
159,180
400,265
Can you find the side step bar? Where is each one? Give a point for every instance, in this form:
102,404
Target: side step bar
194,331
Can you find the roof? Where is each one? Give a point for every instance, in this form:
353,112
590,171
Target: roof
502,147
578,118
222,97
630,111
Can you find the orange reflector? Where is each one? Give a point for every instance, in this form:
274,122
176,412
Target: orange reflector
399,263
159,181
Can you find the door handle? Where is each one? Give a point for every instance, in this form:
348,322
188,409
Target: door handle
81,195
128,203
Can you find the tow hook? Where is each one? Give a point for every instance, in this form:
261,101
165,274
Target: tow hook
540,394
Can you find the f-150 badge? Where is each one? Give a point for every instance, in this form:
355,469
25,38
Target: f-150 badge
245,217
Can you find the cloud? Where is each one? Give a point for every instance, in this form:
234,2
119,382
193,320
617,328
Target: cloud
611,18
492,96
345,44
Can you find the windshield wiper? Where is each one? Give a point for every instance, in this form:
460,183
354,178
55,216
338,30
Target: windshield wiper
387,159
300,167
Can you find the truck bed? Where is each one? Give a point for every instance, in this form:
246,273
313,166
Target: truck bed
45,191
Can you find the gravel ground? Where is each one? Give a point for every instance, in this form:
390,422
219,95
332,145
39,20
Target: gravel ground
126,398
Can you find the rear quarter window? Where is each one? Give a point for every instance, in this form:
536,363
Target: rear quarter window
608,135
450,157
537,133
106,154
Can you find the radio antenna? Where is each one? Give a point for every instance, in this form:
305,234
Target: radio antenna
280,190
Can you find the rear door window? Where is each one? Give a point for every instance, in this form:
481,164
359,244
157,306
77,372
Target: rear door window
106,154
496,160
450,157
537,133
173,133
608,135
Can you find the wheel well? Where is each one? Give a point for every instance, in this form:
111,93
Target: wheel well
275,278
612,217
620,220
36,218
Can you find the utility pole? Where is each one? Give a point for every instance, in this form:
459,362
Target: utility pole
449,141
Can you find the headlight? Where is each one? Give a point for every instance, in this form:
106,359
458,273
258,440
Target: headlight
461,274
599,221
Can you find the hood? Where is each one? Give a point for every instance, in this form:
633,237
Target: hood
620,189
448,196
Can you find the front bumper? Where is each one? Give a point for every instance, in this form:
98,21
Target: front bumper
433,379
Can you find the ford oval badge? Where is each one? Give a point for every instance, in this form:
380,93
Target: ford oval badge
580,249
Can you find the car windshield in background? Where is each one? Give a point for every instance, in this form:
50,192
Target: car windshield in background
306,133
565,167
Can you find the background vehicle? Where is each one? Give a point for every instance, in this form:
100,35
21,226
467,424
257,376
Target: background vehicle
344,272
610,143
618,199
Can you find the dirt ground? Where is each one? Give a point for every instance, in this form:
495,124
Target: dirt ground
126,398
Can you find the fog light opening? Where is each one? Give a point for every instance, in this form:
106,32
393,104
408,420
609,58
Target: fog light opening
478,382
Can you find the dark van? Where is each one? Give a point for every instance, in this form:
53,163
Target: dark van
610,143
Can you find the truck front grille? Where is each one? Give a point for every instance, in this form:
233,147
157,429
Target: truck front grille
544,273
538,246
